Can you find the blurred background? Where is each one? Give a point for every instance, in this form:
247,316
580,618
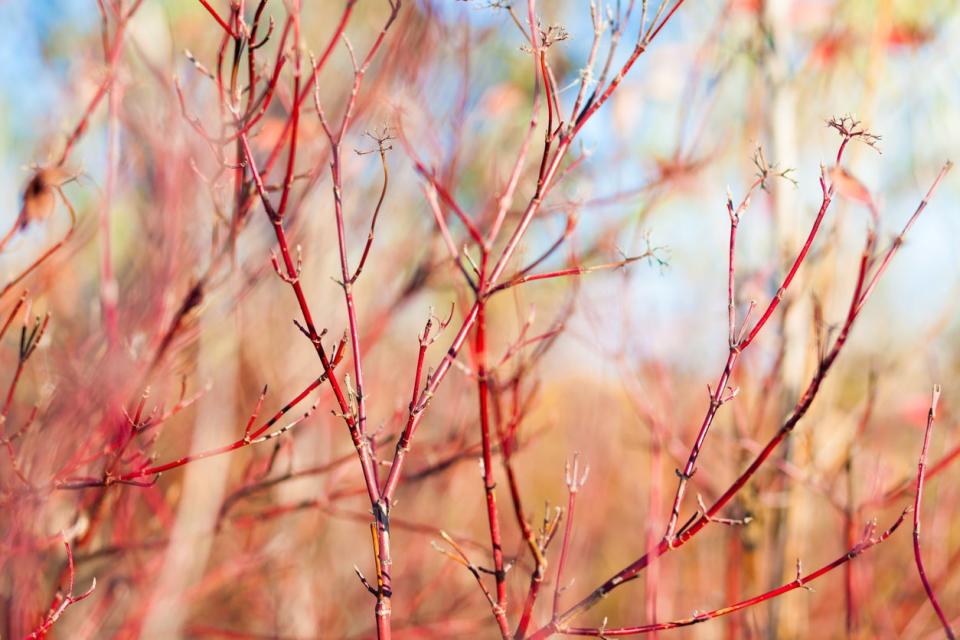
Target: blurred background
261,542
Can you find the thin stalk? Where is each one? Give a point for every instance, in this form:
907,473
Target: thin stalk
801,581
489,485
918,499
858,299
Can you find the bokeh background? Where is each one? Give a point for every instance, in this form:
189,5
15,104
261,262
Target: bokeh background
623,385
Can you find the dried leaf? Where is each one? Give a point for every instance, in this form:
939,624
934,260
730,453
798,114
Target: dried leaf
849,187
39,196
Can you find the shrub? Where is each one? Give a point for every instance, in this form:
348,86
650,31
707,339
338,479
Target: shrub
208,447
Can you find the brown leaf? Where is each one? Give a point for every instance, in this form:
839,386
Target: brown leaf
849,187
39,197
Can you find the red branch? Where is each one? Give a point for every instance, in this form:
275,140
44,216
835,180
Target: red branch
800,582
921,467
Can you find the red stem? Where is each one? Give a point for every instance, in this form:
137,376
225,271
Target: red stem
216,16
509,249
526,616
801,581
489,485
363,450
921,468
565,545
108,284
308,85
179,462
775,301
860,295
